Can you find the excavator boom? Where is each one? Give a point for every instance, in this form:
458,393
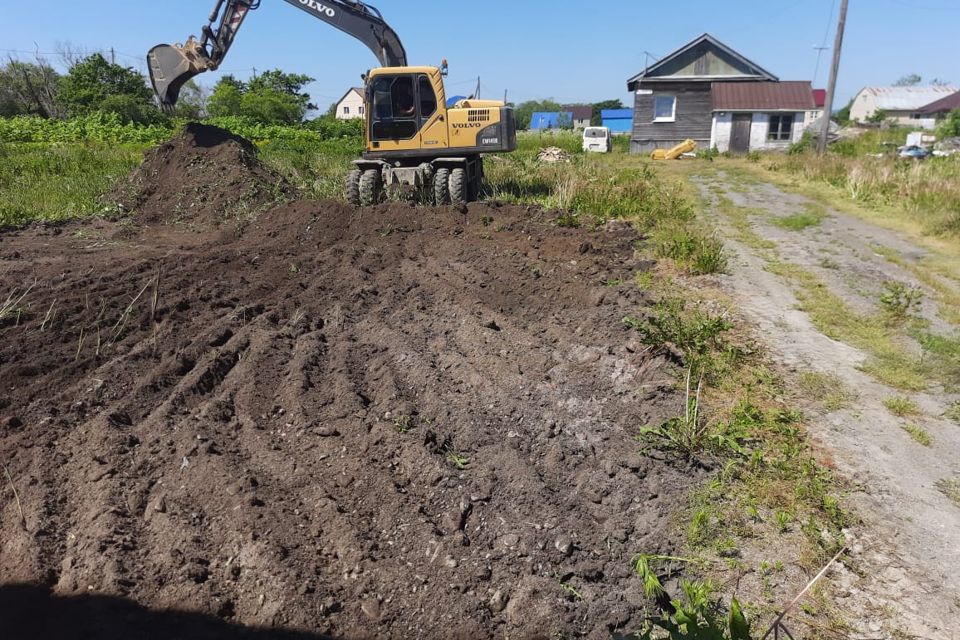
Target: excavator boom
172,66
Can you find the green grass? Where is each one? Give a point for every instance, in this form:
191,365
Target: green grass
950,487
52,182
891,360
901,406
826,388
812,217
926,192
919,434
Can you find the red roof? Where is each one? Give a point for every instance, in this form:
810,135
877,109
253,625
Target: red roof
762,96
819,97
948,103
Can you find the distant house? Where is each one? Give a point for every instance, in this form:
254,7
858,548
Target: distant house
940,108
900,105
707,92
350,106
580,116
617,120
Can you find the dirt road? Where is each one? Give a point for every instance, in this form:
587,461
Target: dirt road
908,552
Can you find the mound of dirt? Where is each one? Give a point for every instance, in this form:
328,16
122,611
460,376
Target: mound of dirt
204,176
387,422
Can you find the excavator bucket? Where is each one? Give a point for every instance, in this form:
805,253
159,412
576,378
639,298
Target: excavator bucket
172,66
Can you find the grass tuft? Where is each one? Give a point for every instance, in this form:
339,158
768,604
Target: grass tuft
919,434
901,406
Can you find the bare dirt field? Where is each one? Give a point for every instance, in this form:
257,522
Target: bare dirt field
398,421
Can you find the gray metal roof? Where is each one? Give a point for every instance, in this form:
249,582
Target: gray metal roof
907,98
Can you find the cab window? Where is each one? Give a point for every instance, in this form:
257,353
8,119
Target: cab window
428,99
394,108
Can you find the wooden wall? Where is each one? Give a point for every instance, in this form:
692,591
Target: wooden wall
693,117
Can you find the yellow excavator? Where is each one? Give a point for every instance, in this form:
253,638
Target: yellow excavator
413,139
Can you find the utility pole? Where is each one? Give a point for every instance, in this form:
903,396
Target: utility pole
476,94
832,87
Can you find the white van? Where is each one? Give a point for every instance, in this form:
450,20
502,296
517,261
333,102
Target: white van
597,140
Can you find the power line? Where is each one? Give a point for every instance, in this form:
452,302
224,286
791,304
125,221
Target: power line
823,46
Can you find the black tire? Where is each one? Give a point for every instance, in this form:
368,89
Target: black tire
441,187
371,187
458,187
351,192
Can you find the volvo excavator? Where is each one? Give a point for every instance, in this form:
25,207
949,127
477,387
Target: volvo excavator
414,141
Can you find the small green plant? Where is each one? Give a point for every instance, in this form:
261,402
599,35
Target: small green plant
901,406
567,587
404,423
459,460
697,616
900,301
950,487
919,434
695,334
784,519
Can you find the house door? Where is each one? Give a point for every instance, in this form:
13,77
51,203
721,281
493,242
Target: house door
740,134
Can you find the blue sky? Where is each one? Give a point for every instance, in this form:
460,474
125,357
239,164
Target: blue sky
570,51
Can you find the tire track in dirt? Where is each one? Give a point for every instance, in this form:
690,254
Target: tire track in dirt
273,443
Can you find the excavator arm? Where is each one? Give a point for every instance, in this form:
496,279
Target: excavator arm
172,66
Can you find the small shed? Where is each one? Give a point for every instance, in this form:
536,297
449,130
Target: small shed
617,120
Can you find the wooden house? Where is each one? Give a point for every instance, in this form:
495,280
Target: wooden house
674,99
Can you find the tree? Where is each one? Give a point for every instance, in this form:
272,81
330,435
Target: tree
937,82
950,127
192,104
525,110
910,80
273,97
596,119
878,117
93,84
28,89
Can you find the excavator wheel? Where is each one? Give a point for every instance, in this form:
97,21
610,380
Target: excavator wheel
459,189
371,187
441,186
352,189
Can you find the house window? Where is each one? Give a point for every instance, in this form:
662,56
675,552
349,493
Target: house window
360,110
346,111
664,108
781,128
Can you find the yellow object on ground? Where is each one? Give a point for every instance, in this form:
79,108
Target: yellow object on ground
672,154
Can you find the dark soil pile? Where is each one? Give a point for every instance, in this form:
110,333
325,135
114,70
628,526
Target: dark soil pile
390,422
202,176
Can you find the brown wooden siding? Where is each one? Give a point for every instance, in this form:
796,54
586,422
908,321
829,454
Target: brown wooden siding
694,116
